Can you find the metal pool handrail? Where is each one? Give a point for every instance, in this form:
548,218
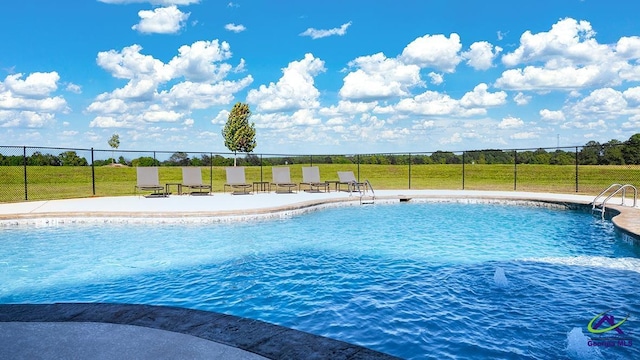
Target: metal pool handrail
620,188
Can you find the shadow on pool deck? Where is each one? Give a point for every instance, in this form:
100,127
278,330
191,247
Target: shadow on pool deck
117,331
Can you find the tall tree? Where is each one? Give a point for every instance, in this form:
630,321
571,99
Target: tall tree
179,159
591,153
71,158
114,142
238,133
612,153
631,150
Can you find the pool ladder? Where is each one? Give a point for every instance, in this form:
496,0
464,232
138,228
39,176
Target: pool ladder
363,189
617,188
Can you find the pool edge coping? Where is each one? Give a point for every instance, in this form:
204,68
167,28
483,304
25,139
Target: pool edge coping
255,336
625,218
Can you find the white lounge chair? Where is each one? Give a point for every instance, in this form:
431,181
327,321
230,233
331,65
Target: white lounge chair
236,180
192,179
349,179
282,179
311,178
147,180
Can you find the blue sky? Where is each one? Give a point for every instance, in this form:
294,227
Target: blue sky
320,77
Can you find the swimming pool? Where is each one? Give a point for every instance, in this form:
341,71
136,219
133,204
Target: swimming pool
414,280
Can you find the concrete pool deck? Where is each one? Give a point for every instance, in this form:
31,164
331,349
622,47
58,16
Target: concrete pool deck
226,207
110,331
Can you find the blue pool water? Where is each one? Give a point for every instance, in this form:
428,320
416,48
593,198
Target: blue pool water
419,281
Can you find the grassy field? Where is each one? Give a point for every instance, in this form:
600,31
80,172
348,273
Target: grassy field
60,182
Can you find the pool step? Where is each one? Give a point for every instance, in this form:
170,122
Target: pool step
364,189
598,210
365,201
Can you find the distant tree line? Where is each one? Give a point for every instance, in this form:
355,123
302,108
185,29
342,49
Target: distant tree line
613,152
67,158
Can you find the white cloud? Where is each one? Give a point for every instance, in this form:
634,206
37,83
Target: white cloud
25,119
36,85
199,62
348,108
129,64
281,121
394,134
628,48
585,125
76,89
429,103
521,99
511,123
137,90
423,124
632,94
110,106
201,67
164,20
241,67
318,34
434,51
305,117
29,102
553,116
568,57
235,28
607,102
454,139
436,79
566,78
190,95
108,122
158,115
481,54
534,78
524,135
378,77
480,97
434,103
221,118
295,89
571,39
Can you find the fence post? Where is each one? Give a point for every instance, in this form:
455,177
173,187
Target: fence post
576,169
24,161
211,171
311,160
93,174
463,170
358,161
515,170
409,171
261,168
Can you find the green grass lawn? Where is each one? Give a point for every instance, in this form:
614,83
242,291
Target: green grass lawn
60,182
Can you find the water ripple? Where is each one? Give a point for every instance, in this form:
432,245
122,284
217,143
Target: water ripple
419,284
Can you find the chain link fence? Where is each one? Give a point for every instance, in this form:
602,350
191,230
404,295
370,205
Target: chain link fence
40,173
